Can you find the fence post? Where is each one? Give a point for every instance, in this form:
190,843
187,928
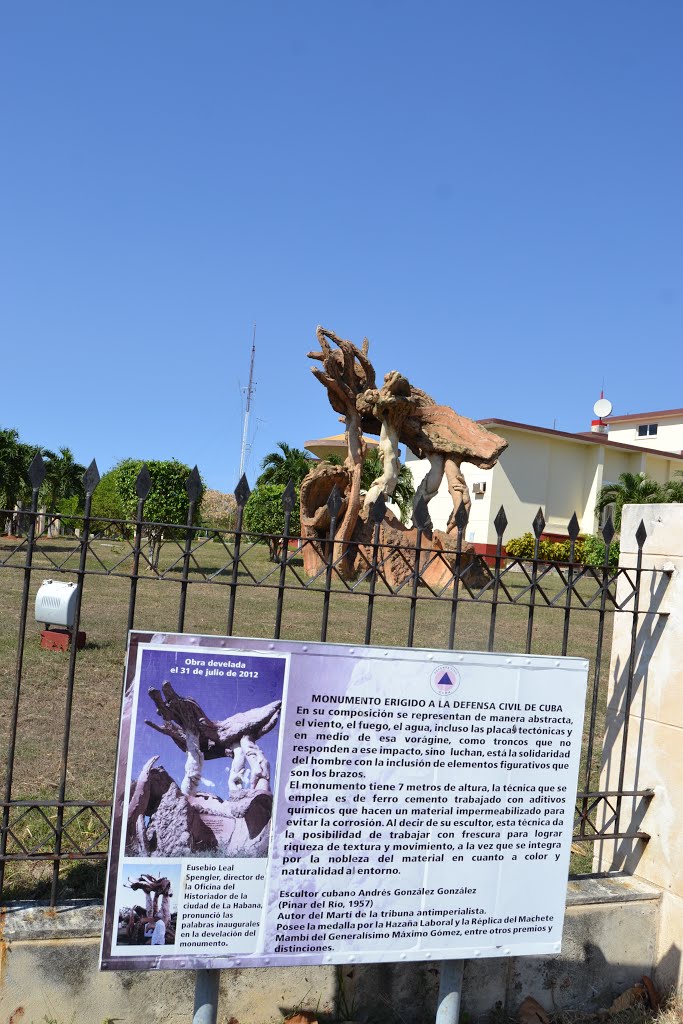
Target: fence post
573,530
500,523
143,485
288,499
334,503
461,517
539,526
377,514
193,486
606,582
242,493
422,521
644,721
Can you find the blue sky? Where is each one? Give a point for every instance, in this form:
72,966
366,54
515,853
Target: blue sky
490,192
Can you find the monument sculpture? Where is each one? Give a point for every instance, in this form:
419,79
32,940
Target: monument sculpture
153,923
171,820
398,413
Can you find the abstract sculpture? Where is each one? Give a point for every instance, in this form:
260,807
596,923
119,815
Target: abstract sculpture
398,413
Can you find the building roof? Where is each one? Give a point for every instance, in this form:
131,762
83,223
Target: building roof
340,439
646,417
322,446
587,437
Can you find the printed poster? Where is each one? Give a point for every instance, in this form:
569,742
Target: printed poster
282,803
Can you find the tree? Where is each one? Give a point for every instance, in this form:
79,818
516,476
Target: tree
167,505
264,514
218,510
15,458
631,489
63,478
11,470
287,464
107,504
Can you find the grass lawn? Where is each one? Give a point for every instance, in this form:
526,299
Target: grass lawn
97,690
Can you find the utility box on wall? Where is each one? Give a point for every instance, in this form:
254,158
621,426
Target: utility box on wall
56,606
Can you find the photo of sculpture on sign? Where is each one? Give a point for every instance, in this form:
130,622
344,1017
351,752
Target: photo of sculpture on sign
283,803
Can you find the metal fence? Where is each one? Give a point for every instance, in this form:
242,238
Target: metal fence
482,604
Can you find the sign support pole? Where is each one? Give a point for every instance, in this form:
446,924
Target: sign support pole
450,989
206,996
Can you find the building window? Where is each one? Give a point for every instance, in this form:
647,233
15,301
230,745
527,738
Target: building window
647,430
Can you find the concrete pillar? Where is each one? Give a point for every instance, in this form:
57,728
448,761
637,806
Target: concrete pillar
595,472
654,749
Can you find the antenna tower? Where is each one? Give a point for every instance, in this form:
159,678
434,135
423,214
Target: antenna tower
250,392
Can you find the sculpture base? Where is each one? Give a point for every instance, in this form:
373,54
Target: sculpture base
397,555
60,639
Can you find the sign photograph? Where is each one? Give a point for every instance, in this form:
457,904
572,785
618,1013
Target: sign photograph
287,803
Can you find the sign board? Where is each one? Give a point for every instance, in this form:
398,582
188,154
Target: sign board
282,803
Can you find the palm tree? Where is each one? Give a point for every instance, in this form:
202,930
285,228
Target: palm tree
631,489
287,464
673,491
15,458
63,478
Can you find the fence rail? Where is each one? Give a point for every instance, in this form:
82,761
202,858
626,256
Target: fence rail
541,601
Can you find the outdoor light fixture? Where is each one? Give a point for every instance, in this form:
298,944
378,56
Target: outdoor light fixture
56,606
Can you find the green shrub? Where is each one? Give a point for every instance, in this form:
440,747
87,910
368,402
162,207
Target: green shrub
521,547
594,551
264,514
587,550
107,504
167,502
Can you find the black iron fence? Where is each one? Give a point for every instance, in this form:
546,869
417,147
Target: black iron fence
60,711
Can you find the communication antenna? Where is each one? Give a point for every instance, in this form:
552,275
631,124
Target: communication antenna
603,407
250,389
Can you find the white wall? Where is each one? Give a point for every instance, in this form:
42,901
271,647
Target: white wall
441,505
618,461
660,469
669,437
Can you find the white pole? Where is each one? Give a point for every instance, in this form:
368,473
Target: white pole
206,996
450,988
250,391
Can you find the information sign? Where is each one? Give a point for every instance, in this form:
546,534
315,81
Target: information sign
282,803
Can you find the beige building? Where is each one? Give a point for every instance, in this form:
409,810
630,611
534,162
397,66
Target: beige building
662,430
559,472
